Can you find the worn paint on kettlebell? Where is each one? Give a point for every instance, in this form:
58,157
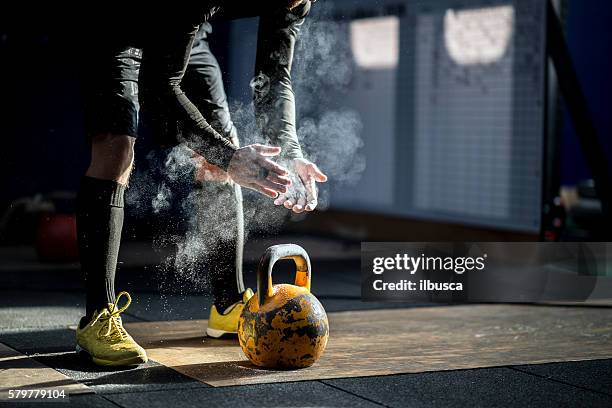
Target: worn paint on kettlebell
289,331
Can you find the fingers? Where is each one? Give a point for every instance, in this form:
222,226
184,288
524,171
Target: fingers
277,188
311,193
317,173
263,190
289,203
273,167
311,198
299,206
269,151
311,205
304,195
275,178
280,199
302,198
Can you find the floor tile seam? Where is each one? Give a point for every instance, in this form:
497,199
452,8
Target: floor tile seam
559,381
324,382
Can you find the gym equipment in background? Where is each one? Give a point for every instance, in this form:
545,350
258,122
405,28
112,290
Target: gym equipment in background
46,221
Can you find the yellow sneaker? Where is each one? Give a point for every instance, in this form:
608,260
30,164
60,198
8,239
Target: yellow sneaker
106,340
226,323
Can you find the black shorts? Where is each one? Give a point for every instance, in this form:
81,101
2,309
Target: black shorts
110,84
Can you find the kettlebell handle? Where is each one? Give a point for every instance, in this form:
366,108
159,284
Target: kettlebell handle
269,258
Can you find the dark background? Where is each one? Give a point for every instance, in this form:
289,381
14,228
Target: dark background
44,149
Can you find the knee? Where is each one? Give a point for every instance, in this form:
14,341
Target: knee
112,157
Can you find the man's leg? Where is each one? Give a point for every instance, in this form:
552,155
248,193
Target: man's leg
111,117
219,207
220,204
100,216
110,82
203,84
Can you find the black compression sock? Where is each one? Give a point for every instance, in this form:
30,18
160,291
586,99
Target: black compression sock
99,224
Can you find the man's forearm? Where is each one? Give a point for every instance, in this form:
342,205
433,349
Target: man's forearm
172,114
275,113
273,94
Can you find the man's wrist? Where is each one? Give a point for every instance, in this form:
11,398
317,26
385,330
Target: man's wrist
291,155
219,154
226,153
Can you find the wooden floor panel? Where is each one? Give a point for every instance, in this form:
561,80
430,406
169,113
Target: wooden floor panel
381,342
20,372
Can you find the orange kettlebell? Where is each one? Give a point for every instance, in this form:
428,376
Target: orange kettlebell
283,325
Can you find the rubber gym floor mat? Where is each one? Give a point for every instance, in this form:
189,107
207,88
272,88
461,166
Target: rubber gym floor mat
19,372
383,342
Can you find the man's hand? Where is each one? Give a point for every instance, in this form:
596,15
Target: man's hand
251,168
302,195
209,172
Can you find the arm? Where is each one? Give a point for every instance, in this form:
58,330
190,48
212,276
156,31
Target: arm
273,95
275,103
177,118
172,113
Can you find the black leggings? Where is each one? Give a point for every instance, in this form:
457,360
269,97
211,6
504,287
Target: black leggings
216,221
219,204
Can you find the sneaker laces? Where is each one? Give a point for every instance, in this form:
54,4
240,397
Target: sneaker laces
111,320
